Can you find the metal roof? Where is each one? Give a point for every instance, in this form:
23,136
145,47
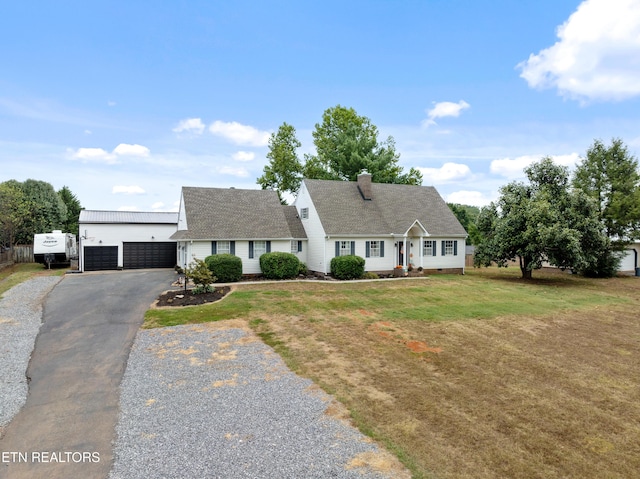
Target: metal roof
128,217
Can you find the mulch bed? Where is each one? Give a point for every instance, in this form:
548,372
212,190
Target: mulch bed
187,298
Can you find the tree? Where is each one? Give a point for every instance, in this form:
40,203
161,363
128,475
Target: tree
543,221
346,144
14,208
467,216
47,211
284,171
73,210
610,176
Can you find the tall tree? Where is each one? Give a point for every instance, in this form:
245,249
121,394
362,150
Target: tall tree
544,220
73,210
284,171
609,174
14,208
467,216
347,143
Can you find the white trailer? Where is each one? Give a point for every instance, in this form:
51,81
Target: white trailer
54,248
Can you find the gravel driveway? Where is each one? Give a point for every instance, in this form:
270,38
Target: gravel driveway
205,401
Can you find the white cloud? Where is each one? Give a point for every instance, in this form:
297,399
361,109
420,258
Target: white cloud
128,208
597,55
444,109
124,149
229,170
96,155
471,198
514,168
190,125
243,156
240,134
127,190
157,205
447,172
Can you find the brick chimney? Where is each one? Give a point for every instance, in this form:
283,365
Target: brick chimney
364,185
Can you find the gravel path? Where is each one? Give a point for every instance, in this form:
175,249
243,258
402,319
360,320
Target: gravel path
20,320
213,401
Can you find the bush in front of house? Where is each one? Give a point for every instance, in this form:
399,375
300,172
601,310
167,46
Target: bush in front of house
226,267
347,267
201,275
277,265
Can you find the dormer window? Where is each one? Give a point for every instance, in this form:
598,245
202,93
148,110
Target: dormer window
304,213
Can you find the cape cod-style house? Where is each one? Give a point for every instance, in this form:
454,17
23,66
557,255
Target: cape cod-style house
388,225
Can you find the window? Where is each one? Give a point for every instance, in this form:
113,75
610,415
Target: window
259,248
223,247
345,248
375,249
304,213
296,246
449,248
429,248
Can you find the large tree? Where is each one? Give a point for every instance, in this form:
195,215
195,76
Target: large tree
609,174
74,207
14,209
346,144
542,221
283,173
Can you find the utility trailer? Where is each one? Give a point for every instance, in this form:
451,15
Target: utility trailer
55,248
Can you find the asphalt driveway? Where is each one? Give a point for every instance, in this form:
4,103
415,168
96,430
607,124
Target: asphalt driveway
67,426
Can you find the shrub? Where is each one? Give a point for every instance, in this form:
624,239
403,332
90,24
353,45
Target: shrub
370,275
226,267
202,277
278,265
302,269
347,267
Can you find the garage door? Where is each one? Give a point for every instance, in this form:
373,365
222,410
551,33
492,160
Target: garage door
98,258
149,255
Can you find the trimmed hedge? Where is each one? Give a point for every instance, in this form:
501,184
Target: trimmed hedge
226,267
347,267
278,265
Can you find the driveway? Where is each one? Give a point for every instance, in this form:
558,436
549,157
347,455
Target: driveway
67,426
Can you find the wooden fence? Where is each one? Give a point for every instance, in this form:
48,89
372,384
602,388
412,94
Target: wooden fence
22,253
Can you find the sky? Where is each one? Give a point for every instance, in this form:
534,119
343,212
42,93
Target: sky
125,102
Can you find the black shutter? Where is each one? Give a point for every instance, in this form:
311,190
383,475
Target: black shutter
443,248
434,247
268,246
353,247
299,246
455,248
337,248
382,249
367,249
214,247
250,249
232,247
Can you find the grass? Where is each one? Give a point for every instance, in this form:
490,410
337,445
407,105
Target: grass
483,375
20,272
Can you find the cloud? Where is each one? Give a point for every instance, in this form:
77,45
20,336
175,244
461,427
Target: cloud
447,172
444,109
240,134
100,155
97,155
127,190
123,149
128,208
190,125
597,55
243,156
514,168
471,198
229,170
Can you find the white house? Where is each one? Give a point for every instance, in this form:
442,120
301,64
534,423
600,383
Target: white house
245,223
126,240
388,225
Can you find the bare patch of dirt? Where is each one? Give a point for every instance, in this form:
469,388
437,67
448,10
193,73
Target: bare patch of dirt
187,298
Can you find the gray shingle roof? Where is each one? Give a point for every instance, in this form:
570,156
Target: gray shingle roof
129,217
229,213
392,210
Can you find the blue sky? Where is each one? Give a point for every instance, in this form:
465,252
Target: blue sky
126,102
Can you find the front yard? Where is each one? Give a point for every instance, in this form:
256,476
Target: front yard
482,375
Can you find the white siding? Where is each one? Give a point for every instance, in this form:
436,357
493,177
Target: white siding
316,258
114,234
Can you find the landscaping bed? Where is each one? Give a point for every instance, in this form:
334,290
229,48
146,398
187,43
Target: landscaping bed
187,298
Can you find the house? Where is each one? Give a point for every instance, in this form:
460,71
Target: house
388,225
126,240
245,223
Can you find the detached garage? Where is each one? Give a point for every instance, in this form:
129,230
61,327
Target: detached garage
126,240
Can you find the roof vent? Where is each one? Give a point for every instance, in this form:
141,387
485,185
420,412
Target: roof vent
364,185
